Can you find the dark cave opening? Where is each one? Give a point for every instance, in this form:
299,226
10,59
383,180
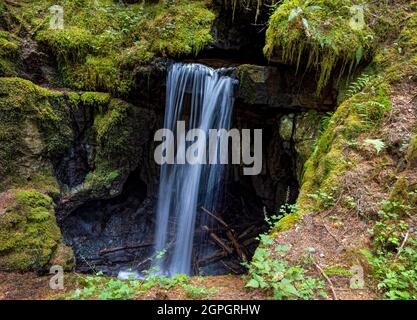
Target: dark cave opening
104,233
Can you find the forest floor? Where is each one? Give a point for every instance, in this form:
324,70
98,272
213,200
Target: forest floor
30,286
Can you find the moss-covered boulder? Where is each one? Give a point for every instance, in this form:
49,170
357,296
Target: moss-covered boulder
101,54
34,128
9,51
320,33
29,235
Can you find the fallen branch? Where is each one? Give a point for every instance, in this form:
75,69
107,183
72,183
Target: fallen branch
246,232
229,267
216,218
253,234
402,246
239,249
111,250
328,231
327,279
149,259
213,258
248,242
219,241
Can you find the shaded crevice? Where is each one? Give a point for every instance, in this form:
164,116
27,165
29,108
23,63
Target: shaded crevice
73,166
105,234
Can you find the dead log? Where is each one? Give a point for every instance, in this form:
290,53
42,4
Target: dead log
218,241
231,235
239,249
151,258
213,258
216,218
253,234
248,242
137,246
246,232
229,267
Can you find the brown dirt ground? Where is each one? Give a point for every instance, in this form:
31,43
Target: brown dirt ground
30,286
338,234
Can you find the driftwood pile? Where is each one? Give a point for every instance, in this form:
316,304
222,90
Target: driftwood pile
229,243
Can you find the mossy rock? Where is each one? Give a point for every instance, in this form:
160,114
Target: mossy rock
101,54
9,51
34,127
360,114
64,257
321,31
253,83
29,235
286,127
411,157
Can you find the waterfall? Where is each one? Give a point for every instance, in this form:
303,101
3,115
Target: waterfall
204,98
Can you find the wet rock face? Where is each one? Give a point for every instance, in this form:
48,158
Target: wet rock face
300,132
280,87
107,147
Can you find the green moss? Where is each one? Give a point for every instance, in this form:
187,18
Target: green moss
399,60
95,99
69,45
286,223
320,31
361,113
119,132
249,76
99,74
9,48
101,179
29,234
113,130
180,28
33,121
337,271
101,54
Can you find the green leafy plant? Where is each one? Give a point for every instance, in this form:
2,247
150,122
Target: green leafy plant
358,85
394,256
283,280
193,292
377,144
301,12
323,199
283,211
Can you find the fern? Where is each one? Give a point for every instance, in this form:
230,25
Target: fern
378,144
357,86
325,121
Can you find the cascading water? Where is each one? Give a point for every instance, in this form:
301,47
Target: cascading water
184,187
